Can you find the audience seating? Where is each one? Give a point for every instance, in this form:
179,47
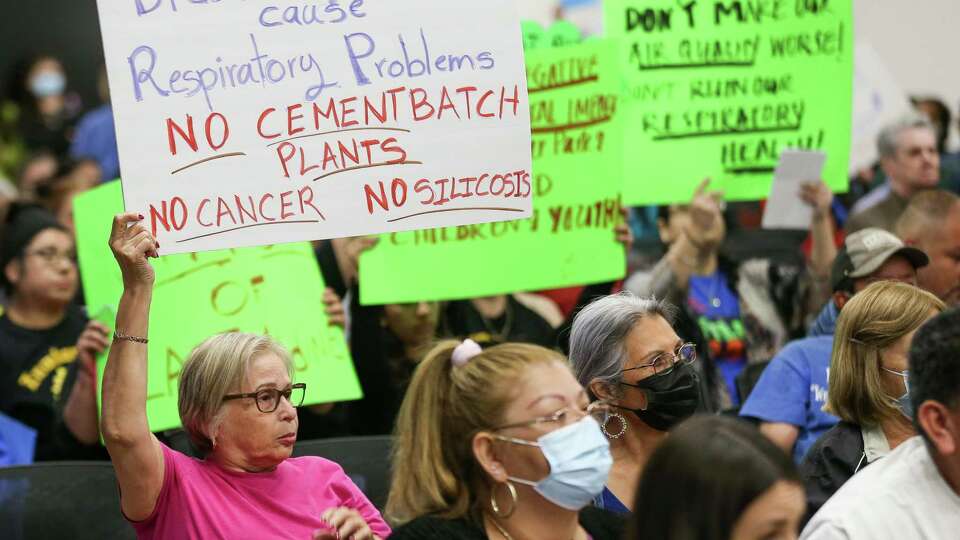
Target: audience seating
365,459
748,378
75,500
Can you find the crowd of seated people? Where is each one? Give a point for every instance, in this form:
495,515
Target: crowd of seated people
721,390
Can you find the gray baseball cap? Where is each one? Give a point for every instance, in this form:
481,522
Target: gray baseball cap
865,251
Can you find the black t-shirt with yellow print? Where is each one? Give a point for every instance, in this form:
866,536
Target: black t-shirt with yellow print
37,371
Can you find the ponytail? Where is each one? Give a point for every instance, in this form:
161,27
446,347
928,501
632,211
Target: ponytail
433,467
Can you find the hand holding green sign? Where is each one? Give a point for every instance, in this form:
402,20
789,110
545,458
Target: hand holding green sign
271,290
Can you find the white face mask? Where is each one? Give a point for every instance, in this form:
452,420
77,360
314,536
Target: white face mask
48,83
580,461
903,402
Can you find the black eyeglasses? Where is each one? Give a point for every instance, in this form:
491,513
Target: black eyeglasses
268,399
664,363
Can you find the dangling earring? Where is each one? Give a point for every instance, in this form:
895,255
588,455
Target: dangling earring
496,507
623,425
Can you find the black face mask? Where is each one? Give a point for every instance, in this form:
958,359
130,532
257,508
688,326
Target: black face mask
671,398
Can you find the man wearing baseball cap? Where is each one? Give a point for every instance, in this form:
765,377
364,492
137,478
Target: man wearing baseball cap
788,399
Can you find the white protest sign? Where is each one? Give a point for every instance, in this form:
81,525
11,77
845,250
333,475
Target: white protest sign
878,100
246,123
785,209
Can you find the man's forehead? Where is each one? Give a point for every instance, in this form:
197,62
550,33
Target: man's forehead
916,137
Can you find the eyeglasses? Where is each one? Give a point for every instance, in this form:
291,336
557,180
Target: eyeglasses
664,363
598,409
268,399
52,256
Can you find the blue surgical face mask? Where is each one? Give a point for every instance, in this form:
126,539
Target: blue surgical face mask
48,83
903,402
580,460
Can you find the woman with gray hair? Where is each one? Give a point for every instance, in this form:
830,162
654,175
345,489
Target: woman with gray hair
238,404
626,353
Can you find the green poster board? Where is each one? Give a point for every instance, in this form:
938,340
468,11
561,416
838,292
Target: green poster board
577,200
274,290
718,89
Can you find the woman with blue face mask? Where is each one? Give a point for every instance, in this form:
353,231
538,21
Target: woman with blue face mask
48,113
869,386
500,443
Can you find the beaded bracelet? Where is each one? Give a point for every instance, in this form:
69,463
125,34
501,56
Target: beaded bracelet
117,335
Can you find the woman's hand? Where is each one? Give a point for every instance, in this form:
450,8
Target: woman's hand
818,196
706,230
94,340
344,524
132,244
355,246
333,307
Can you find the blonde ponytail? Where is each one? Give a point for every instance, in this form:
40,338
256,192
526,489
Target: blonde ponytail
433,467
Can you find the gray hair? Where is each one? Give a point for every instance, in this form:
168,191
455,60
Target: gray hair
889,136
215,368
597,339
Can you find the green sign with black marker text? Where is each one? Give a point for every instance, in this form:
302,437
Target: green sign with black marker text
577,143
274,290
719,88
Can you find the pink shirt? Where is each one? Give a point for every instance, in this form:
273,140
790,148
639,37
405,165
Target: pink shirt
201,500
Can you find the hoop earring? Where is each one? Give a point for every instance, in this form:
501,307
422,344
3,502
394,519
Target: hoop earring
623,425
496,507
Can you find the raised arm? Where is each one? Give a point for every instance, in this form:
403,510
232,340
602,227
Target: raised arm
136,454
824,251
693,249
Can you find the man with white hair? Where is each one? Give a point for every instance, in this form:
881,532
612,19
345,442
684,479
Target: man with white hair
909,158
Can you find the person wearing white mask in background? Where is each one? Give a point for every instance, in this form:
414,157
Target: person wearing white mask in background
869,388
499,443
47,111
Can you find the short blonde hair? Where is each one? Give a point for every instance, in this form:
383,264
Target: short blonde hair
215,368
871,321
434,468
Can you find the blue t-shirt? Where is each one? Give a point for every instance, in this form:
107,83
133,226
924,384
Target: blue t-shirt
793,390
717,310
96,139
17,442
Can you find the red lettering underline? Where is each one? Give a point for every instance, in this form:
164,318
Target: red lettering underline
195,163
370,166
580,125
400,130
495,209
225,231
574,82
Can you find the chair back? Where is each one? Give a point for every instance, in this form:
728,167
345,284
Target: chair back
78,500
748,378
366,460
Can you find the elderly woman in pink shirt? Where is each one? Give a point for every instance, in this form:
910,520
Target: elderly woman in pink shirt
238,404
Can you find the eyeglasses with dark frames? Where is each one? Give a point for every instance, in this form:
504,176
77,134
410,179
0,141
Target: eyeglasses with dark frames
664,363
268,399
